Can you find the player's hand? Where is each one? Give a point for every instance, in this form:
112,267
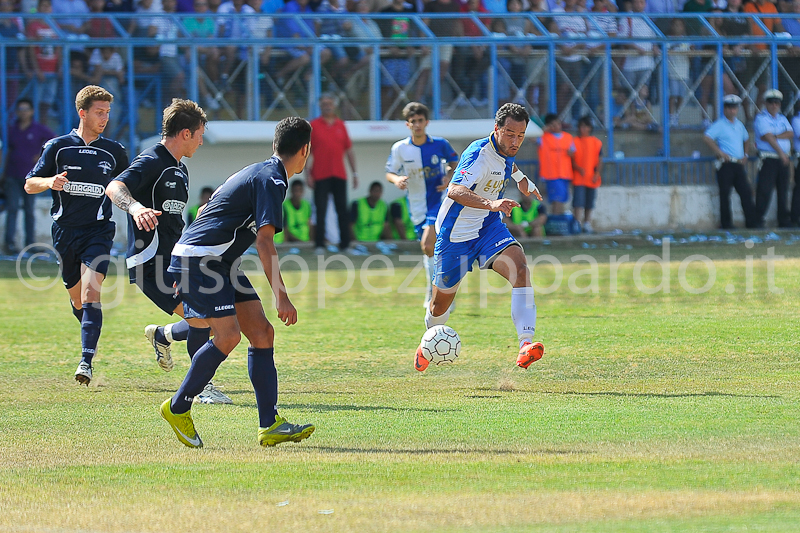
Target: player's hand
402,183
146,218
286,311
504,205
58,181
355,181
534,190
310,182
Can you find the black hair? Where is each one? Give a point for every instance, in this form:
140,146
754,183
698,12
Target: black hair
586,120
206,190
549,118
513,111
375,184
24,101
291,135
296,184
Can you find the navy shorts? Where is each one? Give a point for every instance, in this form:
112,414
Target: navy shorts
157,285
583,197
558,190
90,246
452,260
209,288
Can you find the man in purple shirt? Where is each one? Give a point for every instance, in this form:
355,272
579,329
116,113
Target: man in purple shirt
25,140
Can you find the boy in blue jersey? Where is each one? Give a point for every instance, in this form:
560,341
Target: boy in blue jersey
422,166
469,227
154,191
77,168
246,209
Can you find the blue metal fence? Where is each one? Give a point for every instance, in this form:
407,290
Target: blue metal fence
263,73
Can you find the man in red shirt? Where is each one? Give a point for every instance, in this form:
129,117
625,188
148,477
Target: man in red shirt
326,174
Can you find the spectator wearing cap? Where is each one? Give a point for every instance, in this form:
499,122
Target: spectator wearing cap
727,138
773,135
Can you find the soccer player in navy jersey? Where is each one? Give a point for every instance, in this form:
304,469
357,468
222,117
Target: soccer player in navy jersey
469,228
422,165
246,209
77,167
154,191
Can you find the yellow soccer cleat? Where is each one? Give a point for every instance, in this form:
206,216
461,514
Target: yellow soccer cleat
283,431
183,425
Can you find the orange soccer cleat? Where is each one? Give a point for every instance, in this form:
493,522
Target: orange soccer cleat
420,363
529,353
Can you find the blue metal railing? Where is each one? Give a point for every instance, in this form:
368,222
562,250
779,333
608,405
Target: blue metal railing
261,93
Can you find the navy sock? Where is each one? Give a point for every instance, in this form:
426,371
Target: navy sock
264,376
90,330
77,312
204,365
180,331
195,340
160,337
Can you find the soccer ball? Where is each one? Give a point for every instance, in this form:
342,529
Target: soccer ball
440,345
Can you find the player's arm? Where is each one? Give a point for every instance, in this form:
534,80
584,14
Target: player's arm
351,158
145,218
462,195
37,184
265,245
451,169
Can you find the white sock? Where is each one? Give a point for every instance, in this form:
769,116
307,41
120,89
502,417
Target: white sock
428,263
523,313
431,320
168,333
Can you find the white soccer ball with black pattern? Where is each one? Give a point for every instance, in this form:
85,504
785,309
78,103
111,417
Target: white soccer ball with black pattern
440,345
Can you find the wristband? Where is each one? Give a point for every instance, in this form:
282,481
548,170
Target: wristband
518,176
134,206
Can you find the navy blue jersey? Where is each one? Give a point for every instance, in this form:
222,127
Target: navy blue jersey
159,181
90,168
227,226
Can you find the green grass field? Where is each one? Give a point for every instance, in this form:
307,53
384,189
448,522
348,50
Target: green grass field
670,411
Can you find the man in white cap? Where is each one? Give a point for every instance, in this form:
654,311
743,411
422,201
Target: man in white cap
773,135
727,138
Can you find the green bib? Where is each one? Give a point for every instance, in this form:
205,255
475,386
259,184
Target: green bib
518,215
369,225
411,233
296,221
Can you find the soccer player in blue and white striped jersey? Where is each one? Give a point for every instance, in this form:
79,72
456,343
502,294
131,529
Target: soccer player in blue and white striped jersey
469,228
422,165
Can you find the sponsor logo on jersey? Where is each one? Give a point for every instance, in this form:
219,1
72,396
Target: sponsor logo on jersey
105,165
223,307
434,159
71,167
87,151
92,190
501,243
179,174
496,173
173,207
170,184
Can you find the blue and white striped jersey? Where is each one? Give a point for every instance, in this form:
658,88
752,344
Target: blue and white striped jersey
425,166
484,171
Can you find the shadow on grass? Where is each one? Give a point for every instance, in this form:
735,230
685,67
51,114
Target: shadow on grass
330,408
481,451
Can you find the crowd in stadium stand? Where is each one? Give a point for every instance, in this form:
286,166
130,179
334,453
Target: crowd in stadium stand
638,86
